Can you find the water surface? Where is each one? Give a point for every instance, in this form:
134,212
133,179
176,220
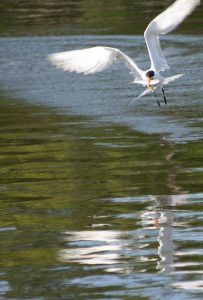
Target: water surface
96,211
100,194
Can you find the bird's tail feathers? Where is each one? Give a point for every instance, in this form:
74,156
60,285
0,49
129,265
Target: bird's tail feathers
145,92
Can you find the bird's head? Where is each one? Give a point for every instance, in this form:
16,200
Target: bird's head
150,74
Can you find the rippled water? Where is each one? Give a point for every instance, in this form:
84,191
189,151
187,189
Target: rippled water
100,194
96,211
99,199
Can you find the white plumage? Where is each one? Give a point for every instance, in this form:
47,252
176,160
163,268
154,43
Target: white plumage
96,59
163,24
92,60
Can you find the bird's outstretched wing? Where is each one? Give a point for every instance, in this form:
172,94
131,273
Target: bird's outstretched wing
93,60
162,24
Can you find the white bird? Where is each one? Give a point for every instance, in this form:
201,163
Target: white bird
96,59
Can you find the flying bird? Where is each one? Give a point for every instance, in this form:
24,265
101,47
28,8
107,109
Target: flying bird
96,59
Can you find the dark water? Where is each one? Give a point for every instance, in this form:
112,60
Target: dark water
100,194
62,17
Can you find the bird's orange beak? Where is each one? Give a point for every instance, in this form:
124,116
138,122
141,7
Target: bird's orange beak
148,82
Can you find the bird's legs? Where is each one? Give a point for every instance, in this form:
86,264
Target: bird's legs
165,101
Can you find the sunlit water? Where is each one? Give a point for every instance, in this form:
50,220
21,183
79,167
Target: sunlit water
101,194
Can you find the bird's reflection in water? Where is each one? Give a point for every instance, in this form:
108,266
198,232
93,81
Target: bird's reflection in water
166,244
162,218
110,248
151,244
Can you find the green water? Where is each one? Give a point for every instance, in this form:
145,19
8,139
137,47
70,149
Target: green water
64,175
52,17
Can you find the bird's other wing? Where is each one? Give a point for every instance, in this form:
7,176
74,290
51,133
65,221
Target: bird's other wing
162,24
167,80
93,60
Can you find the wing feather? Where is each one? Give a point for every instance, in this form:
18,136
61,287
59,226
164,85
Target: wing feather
93,60
165,23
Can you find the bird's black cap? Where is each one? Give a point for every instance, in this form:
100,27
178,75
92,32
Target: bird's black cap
150,74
